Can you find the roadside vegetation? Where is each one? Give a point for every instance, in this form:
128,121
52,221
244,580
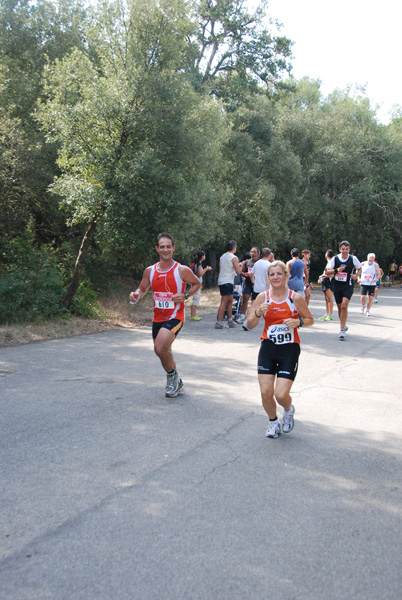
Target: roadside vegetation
123,119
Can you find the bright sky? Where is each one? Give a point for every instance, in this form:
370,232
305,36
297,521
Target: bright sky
346,42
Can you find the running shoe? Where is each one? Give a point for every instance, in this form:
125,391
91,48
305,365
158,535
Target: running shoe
173,384
345,328
323,318
376,301
196,318
368,313
231,324
219,325
363,308
245,327
274,429
288,421
328,318
342,334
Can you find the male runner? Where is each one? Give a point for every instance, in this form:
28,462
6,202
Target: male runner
370,274
341,267
168,279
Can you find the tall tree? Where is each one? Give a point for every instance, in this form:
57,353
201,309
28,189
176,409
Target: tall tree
138,148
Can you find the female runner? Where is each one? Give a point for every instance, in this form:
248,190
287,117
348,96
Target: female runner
284,311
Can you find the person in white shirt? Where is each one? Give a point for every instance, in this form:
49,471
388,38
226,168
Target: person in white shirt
259,276
370,274
229,267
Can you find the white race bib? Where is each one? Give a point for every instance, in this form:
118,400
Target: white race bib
163,300
341,277
367,279
280,334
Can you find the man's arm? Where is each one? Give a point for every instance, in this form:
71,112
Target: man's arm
187,276
142,288
237,266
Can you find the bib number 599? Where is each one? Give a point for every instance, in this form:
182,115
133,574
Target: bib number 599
281,338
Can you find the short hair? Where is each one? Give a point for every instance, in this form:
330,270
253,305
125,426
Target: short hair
164,235
306,251
266,251
345,243
256,248
295,252
370,254
199,255
278,263
330,253
230,245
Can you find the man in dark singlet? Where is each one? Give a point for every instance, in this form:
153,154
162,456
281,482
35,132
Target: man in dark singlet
344,268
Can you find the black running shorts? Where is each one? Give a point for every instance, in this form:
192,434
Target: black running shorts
173,325
340,294
281,360
367,289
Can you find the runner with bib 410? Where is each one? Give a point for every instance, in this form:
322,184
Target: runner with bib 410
284,312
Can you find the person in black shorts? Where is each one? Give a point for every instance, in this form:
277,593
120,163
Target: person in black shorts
283,311
344,268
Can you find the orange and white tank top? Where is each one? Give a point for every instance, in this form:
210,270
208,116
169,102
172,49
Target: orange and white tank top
164,284
274,328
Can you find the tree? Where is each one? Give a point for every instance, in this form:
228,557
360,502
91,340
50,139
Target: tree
138,147
229,41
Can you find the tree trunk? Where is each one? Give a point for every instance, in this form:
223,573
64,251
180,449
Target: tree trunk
79,265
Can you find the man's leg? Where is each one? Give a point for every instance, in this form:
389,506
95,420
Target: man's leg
244,304
163,349
343,312
226,304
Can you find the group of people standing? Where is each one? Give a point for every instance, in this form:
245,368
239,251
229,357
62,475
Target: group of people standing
279,295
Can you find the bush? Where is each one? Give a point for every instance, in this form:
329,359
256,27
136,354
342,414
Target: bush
84,303
31,288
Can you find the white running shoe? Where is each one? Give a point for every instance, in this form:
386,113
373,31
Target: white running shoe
342,334
173,385
288,421
274,429
368,313
363,308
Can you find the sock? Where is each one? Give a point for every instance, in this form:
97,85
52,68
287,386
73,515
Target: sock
171,372
276,418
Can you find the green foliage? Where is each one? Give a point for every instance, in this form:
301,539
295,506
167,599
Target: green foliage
85,302
31,288
148,115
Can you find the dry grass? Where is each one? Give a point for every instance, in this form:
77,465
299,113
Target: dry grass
117,311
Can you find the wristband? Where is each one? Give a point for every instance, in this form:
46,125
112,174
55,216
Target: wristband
258,316
301,322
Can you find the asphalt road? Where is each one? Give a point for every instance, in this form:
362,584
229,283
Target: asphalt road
110,490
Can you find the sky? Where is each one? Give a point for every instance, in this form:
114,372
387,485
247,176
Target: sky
347,42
